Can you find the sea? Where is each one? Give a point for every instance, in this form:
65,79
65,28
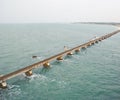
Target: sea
91,74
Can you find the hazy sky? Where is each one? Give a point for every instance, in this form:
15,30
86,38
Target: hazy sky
32,11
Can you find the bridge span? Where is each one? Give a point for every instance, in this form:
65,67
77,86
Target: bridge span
46,62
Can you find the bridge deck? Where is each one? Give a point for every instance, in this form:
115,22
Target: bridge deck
38,64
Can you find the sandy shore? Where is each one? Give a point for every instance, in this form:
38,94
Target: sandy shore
118,26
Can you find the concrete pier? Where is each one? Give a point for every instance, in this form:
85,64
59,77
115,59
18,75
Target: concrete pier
77,50
28,70
84,47
28,73
60,58
70,53
93,43
3,85
47,64
96,41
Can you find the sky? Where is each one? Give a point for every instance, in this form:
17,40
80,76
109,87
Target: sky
52,11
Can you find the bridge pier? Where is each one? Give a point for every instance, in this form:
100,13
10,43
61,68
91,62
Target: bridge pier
93,43
70,53
77,50
84,47
96,41
28,73
47,64
103,38
60,58
3,85
89,44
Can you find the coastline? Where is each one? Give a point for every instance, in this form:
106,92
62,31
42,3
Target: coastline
101,23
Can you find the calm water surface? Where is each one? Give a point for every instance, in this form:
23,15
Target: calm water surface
92,74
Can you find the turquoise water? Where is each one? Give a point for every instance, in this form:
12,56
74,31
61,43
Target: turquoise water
92,74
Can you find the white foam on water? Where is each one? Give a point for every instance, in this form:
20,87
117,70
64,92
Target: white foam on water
11,92
62,84
13,86
37,76
40,58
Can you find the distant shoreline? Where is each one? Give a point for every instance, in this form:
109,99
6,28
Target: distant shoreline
100,23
